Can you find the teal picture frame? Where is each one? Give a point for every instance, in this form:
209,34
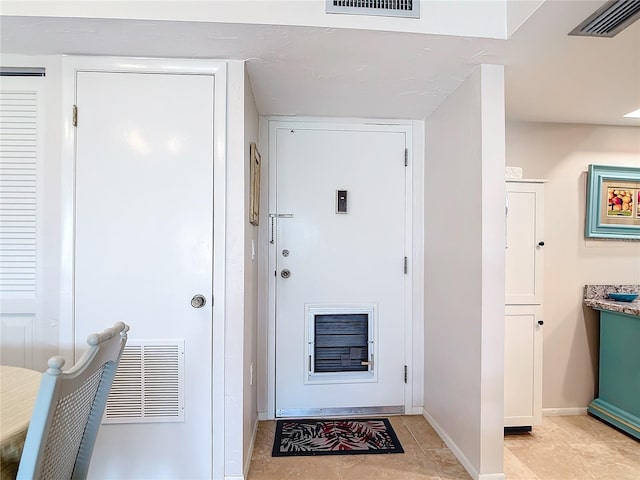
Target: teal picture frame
613,202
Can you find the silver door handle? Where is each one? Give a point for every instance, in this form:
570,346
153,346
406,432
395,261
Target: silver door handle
198,301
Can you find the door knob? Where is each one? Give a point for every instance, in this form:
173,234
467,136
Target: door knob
198,301
540,322
285,273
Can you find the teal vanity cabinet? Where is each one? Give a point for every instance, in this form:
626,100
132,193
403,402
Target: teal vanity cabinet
618,401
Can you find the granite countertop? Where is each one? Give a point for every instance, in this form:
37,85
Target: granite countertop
596,296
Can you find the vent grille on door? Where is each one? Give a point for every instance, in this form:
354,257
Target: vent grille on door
149,384
610,19
390,8
18,176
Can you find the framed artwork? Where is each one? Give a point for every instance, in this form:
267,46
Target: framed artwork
613,202
254,179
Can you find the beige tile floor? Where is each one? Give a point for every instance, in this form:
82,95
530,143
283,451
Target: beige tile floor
562,448
572,448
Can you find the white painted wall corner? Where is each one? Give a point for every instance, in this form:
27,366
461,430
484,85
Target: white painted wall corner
247,461
456,450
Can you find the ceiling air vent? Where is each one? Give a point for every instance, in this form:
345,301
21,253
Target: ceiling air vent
387,8
610,19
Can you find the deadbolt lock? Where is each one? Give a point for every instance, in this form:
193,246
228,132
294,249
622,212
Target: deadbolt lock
285,273
285,253
198,301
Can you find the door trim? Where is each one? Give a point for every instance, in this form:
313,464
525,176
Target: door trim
70,66
413,247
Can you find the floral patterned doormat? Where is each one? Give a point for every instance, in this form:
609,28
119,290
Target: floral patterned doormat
334,437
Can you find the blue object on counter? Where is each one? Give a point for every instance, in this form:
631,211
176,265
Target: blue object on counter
623,297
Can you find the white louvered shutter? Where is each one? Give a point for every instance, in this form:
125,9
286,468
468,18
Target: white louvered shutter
18,183
20,292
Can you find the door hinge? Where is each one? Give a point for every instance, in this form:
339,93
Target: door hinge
406,265
74,117
405,374
406,157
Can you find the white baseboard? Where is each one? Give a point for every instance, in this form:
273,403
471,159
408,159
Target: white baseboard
262,416
247,462
415,411
234,477
458,453
451,444
561,412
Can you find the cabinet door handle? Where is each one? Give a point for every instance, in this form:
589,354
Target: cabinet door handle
540,322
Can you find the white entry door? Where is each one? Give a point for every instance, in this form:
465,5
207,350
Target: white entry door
143,238
339,244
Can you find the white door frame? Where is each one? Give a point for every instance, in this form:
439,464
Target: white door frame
414,246
70,66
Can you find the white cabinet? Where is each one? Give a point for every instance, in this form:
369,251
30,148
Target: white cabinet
523,304
523,256
522,366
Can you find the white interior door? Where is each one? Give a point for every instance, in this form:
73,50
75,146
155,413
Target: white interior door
340,274
143,236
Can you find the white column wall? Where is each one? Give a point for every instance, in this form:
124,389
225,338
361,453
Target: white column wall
464,271
493,247
250,410
235,274
241,279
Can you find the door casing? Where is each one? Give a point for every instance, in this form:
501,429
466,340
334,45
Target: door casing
414,244
70,66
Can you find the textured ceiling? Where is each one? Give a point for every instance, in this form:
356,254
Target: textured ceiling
561,78
360,73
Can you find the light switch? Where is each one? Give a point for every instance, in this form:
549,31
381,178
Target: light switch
341,201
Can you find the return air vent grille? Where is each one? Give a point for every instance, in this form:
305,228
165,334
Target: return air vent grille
610,19
388,8
149,384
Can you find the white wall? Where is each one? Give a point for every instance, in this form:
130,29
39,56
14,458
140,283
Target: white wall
518,11
241,410
464,271
562,153
250,396
234,321
473,18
